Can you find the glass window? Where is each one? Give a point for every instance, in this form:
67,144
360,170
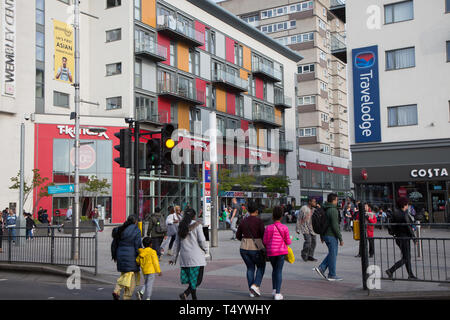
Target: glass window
113,3
138,73
113,69
60,99
113,103
402,116
398,12
113,35
137,9
447,5
448,50
39,83
400,59
172,54
173,113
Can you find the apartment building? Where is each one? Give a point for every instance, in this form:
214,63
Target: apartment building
399,87
315,29
173,61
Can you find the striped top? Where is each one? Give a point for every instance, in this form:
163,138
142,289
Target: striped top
276,239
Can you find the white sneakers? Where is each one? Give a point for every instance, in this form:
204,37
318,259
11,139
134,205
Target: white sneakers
255,290
278,296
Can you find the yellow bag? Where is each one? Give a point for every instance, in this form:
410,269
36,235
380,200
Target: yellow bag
290,256
356,235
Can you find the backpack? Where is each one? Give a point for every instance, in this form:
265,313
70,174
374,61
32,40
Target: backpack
115,243
161,226
319,221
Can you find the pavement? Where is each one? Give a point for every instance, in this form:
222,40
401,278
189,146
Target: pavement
225,275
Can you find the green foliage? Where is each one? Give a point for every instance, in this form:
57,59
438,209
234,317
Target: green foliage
84,218
96,186
246,182
226,182
277,184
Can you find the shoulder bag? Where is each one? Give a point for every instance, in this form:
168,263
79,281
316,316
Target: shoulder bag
262,250
290,257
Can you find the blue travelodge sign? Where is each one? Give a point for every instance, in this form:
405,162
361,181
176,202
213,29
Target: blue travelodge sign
366,94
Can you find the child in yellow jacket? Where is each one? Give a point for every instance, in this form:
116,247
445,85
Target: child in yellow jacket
149,263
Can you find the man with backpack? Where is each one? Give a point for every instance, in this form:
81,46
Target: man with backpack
157,230
325,223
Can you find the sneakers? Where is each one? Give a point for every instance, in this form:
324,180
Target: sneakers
335,278
305,258
412,277
255,290
320,272
390,274
312,259
278,296
251,295
139,294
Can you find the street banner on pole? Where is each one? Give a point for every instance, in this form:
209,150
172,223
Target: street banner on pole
64,54
8,48
207,193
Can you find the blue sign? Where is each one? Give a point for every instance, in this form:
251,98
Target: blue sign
65,188
366,95
207,175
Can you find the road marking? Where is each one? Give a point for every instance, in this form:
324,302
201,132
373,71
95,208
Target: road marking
3,279
50,298
100,289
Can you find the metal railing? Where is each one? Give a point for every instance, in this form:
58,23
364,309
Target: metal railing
337,3
260,115
149,114
338,41
171,86
151,47
221,75
286,145
49,245
429,256
171,22
267,69
282,99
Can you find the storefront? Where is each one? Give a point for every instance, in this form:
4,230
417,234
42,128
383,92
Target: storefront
420,173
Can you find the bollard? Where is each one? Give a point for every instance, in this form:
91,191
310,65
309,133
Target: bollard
419,243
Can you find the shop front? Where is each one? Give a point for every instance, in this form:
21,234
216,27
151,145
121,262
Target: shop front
421,174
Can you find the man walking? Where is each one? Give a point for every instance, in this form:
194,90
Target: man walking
235,215
157,230
304,226
403,235
11,226
331,237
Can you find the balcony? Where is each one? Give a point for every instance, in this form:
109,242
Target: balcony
172,90
286,146
229,81
267,119
150,116
338,46
266,72
178,30
150,50
283,101
337,7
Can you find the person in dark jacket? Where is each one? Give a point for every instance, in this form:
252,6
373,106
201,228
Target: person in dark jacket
130,240
29,226
251,232
403,234
156,231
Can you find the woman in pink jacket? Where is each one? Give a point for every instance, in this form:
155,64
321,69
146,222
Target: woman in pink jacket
276,239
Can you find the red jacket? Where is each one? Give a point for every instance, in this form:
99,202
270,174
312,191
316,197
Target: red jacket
371,219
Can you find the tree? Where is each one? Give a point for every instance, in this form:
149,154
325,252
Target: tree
277,184
246,182
95,187
226,181
28,186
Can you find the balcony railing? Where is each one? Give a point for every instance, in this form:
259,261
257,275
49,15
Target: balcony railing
180,30
336,3
267,118
150,49
173,89
283,101
338,46
267,71
149,114
286,145
230,80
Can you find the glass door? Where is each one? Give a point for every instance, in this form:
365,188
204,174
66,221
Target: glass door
438,203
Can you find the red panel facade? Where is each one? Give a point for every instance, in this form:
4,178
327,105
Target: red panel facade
165,42
200,27
231,103
229,47
259,88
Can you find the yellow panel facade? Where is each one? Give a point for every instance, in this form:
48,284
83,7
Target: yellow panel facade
183,57
149,12
247,59
260,137
221,97
183,116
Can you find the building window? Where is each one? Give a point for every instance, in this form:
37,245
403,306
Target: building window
323,56
265,90
40,15
213,98
324,117
277,27
173,113
194,116
194,62
113,69
40,52
323,86
208,96
39,83
172,54
137,10
306,100
113,35
60,99
307,68
447,6
113,3
397,12
138,73
238,54
322,25
113,103
210,41
299,38
448,50
325,148
402,116
400,59
307,132
146,108
240,106
221,126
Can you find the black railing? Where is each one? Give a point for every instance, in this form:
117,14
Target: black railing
50,245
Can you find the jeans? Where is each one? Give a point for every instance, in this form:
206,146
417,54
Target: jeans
172,240
330,260
308,246
405,248
12,234
147,288
277,263
29,234
254,260
96,224
234,227
156,245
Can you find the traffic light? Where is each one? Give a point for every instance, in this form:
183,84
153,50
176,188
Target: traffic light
125,148
153,156
167,144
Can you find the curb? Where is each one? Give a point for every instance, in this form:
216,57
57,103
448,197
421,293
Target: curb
53,270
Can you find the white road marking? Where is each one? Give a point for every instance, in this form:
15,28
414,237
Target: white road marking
100,289
3,279
50,298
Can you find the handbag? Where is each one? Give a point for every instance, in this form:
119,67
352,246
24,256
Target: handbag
263,250
290,257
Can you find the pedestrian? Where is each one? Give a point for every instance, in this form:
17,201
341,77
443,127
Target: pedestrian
304,226
331,237
371,220
348,213
235,216
149,263
95,217
30,225
11,225
276,239
172,222
191,248
402,235
40,213
251,233
129,241
1,231
157,230
69,214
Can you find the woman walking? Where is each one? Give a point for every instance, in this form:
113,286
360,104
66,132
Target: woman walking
191,247
251,232
172,222
128,237
276,239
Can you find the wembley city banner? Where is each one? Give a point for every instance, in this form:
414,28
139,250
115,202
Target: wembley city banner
8,48
366,94
64,52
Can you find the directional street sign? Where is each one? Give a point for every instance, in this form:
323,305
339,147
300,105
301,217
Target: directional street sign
65,188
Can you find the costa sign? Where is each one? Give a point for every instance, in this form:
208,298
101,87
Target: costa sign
429,173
